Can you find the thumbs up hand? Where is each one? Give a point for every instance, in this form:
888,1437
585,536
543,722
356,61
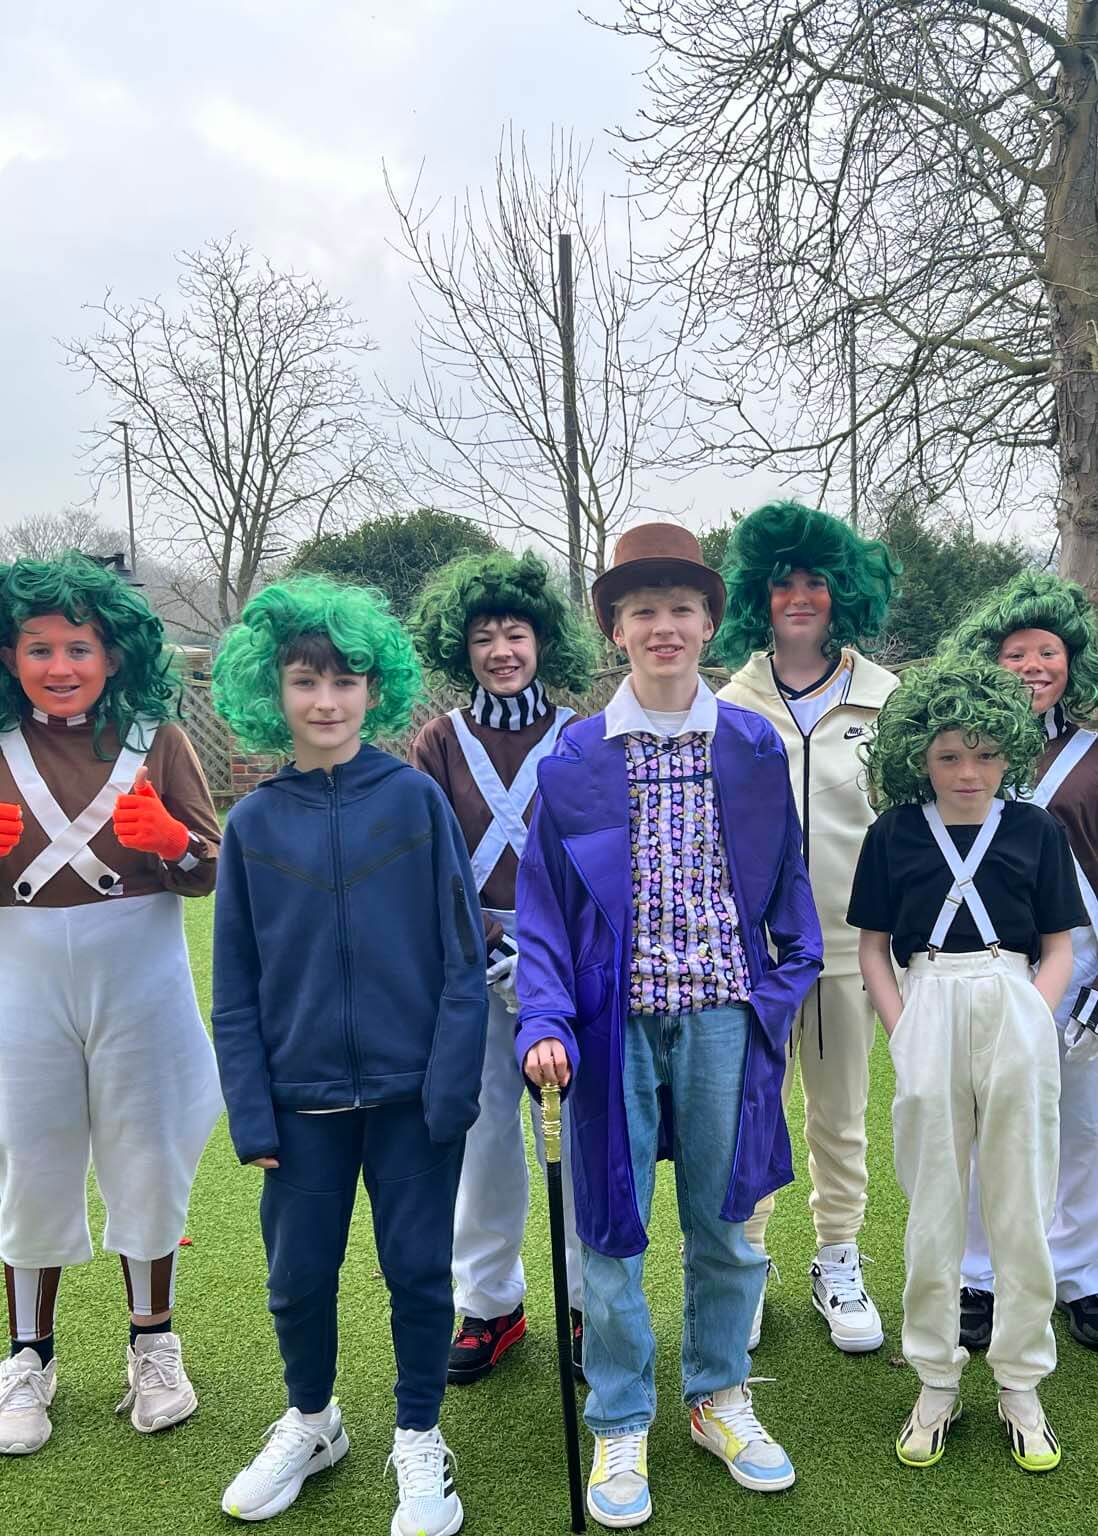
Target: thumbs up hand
142,821
11,828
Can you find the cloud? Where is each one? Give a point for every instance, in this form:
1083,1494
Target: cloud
264,146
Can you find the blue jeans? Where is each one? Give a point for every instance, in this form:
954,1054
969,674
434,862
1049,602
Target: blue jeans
700,1058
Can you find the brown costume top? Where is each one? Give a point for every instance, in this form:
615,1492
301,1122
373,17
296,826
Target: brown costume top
65,757
1075,803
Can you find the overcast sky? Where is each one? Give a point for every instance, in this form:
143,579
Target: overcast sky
129,133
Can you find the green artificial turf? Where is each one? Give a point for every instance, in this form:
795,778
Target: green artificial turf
836,1415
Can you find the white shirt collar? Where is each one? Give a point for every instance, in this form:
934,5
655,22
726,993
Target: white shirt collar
625,715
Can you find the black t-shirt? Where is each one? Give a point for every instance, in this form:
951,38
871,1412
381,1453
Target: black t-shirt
1027,881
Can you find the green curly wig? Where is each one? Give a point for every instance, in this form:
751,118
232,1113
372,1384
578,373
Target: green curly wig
86,592
502,586
247,687
1037,599
971,695
785,536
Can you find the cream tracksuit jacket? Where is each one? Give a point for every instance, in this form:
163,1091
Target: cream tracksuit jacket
828,778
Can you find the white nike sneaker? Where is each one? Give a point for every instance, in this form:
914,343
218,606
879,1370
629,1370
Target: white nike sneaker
294,1451
429,1505
726,1424
840,1296
160,1392
26,1392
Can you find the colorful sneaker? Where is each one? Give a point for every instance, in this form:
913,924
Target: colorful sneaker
479,1344
160,1393
840,1296
726,1425
26,1392
429,1505
1032,1444
757,1321
1082,1316
577,1346
922,1440
977,1316
294,1451
617,1490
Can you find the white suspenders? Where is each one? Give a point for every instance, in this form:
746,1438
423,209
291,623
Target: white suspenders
508,806
1076,749
69,839
963,890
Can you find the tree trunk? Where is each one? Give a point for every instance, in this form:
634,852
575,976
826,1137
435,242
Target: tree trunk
1071,234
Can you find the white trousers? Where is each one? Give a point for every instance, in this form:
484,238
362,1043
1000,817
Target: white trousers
103,1056
490,1215
976,1064
836,1091
1073,1236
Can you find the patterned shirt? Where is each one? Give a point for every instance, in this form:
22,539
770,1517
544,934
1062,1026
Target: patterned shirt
687,950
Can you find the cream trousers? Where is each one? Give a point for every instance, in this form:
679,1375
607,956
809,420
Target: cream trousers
977,1062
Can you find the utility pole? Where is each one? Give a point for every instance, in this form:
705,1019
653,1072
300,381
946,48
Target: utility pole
852,390
571,429
129,491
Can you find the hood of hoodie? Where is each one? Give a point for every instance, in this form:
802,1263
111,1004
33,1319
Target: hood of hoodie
364,773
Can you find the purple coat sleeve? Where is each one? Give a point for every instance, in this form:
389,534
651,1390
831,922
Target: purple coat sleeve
545,979
794,929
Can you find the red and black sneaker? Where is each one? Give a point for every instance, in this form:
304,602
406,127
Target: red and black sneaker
479,1344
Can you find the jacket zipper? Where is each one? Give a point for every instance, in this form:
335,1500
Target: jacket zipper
341,934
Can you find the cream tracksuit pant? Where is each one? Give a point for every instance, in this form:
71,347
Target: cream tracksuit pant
836,1091
977,1063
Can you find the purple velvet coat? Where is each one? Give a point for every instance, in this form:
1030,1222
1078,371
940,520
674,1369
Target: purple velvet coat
574,937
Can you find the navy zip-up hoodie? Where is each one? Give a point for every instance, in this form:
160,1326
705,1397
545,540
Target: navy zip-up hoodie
348,961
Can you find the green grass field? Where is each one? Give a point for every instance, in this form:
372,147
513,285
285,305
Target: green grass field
835,1414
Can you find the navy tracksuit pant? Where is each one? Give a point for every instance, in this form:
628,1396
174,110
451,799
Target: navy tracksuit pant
305,1212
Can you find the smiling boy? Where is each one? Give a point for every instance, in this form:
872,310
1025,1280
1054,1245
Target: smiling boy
663,851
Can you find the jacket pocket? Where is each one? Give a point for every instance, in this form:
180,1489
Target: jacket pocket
591,990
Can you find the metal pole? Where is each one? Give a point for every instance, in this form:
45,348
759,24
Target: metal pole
571,427
129,492
550,1122
852,370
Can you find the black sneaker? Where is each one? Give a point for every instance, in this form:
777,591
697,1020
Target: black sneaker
479,1343
1082,1316
977,1312
577,1346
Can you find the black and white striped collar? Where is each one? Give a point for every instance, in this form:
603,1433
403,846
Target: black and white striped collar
1055,722
510,713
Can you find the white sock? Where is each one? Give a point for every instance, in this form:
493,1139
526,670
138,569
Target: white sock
318,1418
936,1400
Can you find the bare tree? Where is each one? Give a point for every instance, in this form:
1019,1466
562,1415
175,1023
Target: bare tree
486,414
249,423
46,535
887,208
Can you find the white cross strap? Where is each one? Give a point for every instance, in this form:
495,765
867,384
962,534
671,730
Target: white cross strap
963,890
508,806
68,839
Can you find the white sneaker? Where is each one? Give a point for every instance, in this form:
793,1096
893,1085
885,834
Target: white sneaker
921,1442
840,1296
726,1425
294,1451
757,1320
26,1392
617,1489
1032,1443
429,1505
160,1392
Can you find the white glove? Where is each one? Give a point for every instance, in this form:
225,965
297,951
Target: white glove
1081,1041
501,975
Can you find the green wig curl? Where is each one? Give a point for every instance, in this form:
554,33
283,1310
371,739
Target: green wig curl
86,592
974,696
785,536
501,585
247,685
1036,599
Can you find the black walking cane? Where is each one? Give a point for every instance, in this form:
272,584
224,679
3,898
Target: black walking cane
550,1122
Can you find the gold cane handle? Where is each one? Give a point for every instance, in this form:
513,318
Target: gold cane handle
550,1122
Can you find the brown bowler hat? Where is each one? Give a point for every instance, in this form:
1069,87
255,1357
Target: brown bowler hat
654,554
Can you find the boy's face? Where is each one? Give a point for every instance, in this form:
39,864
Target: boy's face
800,608
663,631
964,775
62,667
503,654
1040,659
324,711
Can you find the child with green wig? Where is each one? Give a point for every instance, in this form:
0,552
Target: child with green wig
970,891
499,628
804,591
349,1010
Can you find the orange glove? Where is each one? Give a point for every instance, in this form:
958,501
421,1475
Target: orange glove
11,828
142,821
